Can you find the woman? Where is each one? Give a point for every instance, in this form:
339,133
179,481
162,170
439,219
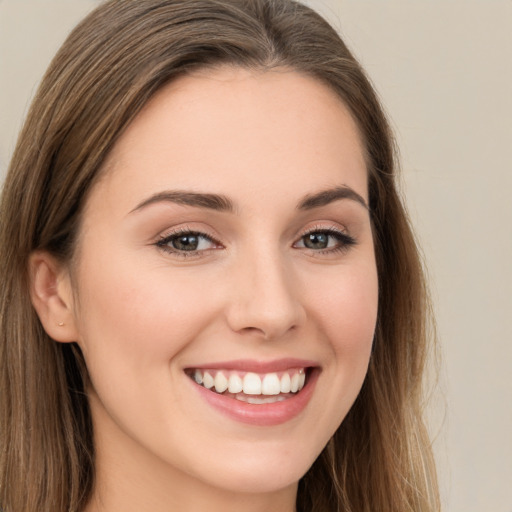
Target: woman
211,296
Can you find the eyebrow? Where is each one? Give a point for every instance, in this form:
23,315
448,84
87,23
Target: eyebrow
210,201
222,203
328,196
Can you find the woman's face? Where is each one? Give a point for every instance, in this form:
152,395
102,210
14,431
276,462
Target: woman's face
228,245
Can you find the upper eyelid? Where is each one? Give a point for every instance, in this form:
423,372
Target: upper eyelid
333,227
170,235
330,231
186,230
192,231
324,229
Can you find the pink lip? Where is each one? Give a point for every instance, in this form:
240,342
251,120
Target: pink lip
261,414
247,365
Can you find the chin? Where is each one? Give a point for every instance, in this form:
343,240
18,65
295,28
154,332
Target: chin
255,473
259,480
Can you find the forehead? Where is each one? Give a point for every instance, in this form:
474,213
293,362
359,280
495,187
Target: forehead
229,128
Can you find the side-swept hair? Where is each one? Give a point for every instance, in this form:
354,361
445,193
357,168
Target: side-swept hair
380,458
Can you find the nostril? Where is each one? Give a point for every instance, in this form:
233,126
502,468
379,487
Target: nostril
254,330
249,320
267,333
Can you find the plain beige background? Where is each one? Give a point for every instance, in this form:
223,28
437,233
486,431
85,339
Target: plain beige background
444,71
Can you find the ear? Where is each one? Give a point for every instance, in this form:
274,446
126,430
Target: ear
52,296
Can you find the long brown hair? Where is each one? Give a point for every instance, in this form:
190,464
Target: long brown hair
380,458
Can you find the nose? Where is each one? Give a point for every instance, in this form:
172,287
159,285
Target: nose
264,299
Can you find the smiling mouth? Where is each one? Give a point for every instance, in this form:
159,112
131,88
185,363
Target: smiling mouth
249,387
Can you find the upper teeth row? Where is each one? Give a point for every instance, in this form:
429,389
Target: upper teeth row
290,381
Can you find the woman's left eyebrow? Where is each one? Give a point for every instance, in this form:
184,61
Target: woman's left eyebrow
328,196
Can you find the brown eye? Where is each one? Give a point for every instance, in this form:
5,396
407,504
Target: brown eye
187,242
329,240
316,240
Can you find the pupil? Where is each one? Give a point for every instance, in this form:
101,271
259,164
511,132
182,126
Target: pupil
316,241
186,243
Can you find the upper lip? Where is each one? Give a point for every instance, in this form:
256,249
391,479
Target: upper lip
256,366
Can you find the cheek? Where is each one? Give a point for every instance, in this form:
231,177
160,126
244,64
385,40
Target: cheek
139,318
347,317
133,324
354,325
347,311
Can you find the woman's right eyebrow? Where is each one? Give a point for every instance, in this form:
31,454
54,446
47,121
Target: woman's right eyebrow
200,200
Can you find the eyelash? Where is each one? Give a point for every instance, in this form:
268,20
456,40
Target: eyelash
344,241
164,242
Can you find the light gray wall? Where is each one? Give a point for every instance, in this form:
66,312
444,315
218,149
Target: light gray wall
444,71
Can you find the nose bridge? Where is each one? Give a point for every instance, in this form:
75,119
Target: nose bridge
265,298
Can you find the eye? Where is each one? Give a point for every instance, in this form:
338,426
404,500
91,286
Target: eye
187,243
325,240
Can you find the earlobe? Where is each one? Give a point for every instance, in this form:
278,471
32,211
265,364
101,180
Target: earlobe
52,297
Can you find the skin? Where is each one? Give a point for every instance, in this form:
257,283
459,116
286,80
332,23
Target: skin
265,140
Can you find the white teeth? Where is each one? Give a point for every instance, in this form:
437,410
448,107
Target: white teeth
258,400
252,384
235,384
294,386
285,383
208,381
271,384
221,383
198,377
302,380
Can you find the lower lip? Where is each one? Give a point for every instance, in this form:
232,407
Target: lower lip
261,414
